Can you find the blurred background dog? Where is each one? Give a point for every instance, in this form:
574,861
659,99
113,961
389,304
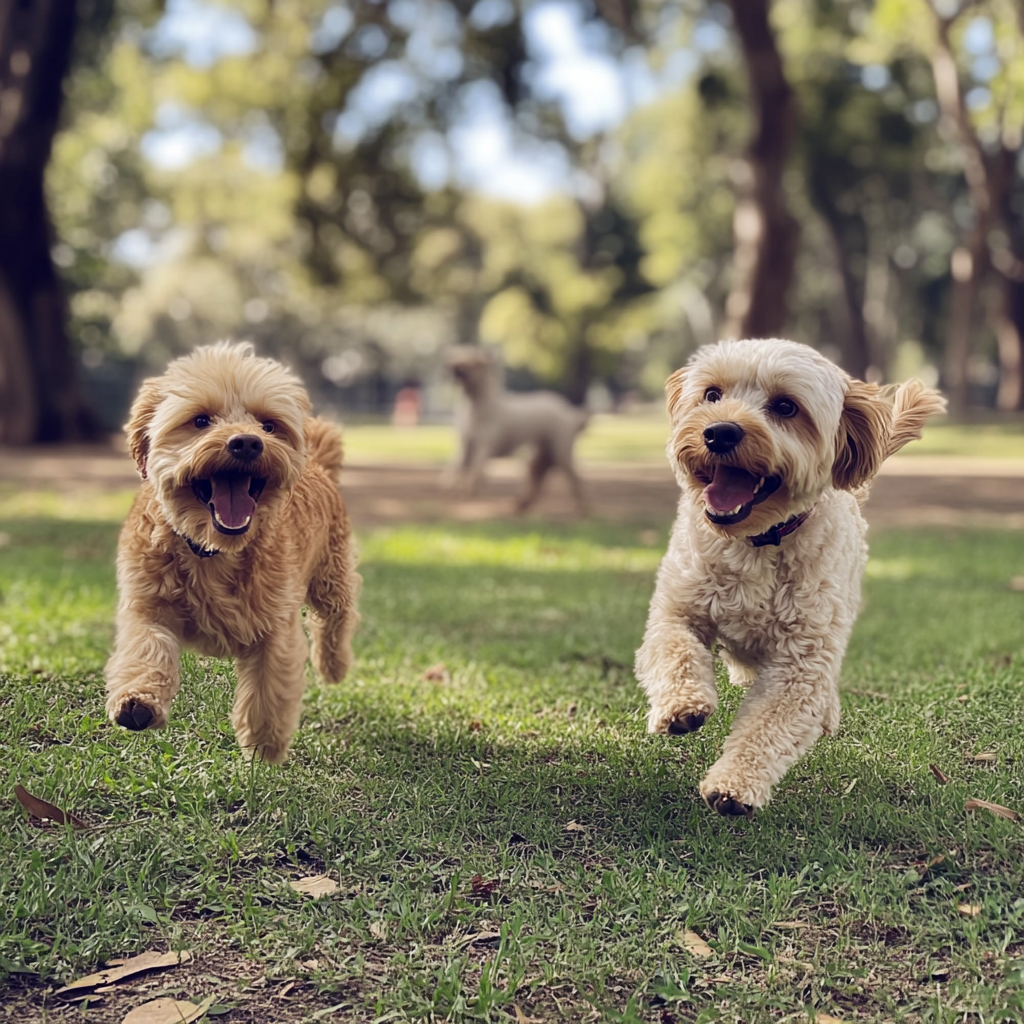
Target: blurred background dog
497,422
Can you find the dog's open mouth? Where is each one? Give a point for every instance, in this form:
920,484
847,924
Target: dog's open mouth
231,499
731,493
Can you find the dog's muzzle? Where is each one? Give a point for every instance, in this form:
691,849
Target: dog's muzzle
731,493
231,498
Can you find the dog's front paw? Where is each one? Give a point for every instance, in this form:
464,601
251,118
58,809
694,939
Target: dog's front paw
728,793
136,713
678,721
728,806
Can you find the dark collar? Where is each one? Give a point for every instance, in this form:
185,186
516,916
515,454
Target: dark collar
197,549
774,535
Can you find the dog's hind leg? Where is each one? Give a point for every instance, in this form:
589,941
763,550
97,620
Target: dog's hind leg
142,675
333,597
540,465
268,697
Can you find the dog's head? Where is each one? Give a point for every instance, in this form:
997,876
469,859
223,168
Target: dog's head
761,428
221,438
473,367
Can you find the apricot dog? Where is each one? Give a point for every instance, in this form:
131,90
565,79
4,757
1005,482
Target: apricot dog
237,525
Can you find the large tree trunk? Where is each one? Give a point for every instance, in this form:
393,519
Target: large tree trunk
766,234
1009,264
986,186
40,397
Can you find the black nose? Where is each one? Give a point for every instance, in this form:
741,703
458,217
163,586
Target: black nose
721,438
245,447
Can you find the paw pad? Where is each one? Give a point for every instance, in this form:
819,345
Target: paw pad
728,806
134,716
689,723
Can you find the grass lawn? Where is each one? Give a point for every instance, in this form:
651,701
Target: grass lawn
508,844
641,438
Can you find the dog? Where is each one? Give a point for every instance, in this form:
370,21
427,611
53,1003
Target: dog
498,422
238,524
773,447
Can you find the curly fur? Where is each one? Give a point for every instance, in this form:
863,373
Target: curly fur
246,601
781,616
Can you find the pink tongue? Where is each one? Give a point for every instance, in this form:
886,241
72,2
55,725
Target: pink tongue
231,500
730,487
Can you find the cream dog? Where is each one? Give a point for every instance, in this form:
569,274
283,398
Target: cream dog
773,447
498,422
238,524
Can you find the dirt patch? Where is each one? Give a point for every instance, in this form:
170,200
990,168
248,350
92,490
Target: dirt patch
910,491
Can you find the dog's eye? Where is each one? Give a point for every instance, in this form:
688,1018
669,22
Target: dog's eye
713,395
784,407
268,426
202,422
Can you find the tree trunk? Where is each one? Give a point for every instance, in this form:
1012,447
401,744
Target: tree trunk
580,369
1009,264
40,397
766,234
985,188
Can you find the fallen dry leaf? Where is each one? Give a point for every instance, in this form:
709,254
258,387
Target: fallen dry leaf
44,809
939,774
168,1011
969,909
378,929
521,1017
1016,583
284,991
437,674
986,755
961,888
824,1018
125,969
469,940
964,697
997,809
574,826
315,885
791,924
694,944
481,887
849,788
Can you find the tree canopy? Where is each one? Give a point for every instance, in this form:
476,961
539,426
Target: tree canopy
595,188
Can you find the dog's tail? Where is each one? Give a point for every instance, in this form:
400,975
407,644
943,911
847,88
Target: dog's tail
323,446
913,404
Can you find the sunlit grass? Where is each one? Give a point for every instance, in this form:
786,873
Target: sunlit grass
527,767
606,439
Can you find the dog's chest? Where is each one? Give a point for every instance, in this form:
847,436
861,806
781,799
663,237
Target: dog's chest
223,612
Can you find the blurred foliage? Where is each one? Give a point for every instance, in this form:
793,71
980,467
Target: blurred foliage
315,202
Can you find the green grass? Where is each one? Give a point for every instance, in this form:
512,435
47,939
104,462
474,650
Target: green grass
641,439
840,897
606,439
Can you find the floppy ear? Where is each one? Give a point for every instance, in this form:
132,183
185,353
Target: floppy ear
863,440
137,428
674,390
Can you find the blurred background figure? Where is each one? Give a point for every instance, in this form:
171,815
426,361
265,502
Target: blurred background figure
593,187
406,411
495,423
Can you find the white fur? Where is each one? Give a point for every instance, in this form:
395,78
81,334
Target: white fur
497,422
780,616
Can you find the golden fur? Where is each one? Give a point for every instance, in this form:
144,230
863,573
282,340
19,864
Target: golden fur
781,611
205,435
